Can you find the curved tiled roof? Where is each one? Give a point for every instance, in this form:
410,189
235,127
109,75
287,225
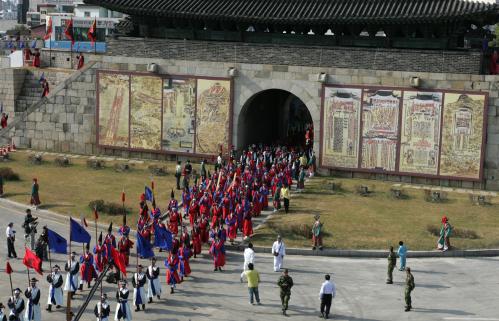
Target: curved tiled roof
315,12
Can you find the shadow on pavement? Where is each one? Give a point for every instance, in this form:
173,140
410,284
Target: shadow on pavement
443,311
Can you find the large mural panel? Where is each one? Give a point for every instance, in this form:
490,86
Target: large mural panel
113,102
420,132
380,125
179,115
145,112
213,115
341,116
462,135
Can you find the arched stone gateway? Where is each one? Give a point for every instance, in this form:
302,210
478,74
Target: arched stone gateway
273,116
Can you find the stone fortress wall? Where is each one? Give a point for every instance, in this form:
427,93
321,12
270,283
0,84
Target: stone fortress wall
66,122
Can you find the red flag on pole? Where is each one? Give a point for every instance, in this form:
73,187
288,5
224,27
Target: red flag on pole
92,32
48,32
8,268
69,32
152,185
32,261
96,215
123,196
83,220
118,260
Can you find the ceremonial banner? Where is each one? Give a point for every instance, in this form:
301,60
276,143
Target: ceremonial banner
380,125
179,118
420,135
213,115
145,112
462,135
341,117
113,89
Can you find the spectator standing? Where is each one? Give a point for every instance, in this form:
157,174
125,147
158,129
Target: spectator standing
392,262
285,197
11,238
249,256
178,173
402,252
278,250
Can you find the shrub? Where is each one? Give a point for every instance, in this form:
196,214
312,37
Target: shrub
157,170
435,196
8,174
122,167
35,159
115,209
97,204
95,163
62,161
456,232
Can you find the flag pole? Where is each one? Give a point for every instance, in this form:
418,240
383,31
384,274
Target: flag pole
50,259
68,301
95,216
123,203
27,268
10,278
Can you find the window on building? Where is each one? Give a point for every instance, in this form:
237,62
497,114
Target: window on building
86,14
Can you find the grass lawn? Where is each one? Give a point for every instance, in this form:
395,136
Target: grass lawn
352,221
68,190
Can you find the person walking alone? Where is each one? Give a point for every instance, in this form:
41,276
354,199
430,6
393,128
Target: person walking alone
249,256
178,173
253,278
285,283
402,252
327,293
392,262
11,238
409,286
278,250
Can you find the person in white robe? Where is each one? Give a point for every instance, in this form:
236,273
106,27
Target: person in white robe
123,311
249,256
16,306
102,309
153,284
33,294
139,296
278,250
72,267
55,295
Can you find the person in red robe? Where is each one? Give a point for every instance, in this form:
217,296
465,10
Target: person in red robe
172,263
27,56
231,222
100,252
87,271
247,225
193,211
35,196
36,59
184,266
174,220
196,239
81,60
217,250
204,229
124,246
3,121
46,88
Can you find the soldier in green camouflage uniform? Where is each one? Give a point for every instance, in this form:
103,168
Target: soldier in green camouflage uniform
285,282
392,262
409,286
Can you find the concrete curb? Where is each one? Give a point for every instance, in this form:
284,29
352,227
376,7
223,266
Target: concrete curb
371,253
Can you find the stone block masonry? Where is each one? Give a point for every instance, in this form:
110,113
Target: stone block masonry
66,122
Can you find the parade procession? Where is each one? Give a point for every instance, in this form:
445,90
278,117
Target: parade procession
212,209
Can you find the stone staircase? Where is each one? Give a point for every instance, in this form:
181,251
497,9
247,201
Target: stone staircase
31,92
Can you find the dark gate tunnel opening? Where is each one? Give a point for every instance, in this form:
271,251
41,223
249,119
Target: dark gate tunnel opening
273,116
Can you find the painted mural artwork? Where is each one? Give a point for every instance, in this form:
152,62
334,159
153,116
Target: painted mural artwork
341,129
462,135
380,124
213,115
179,112
145,112
420,132
113,109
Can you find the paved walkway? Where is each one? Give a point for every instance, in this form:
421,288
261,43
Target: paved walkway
446,289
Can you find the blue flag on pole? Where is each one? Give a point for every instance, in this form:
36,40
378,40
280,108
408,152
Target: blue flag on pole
21,44
78,233
42,78
162,238
10,45
57,244
148,193
144,248
33,44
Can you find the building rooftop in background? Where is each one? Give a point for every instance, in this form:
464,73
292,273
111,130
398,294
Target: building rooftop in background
428,23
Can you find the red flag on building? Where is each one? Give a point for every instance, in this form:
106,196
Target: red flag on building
32,261
92,32
48,32
8,268
119,260
69,32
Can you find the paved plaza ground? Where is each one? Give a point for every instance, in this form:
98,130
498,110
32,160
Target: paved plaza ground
446,288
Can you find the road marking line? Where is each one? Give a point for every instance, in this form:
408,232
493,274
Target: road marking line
471,319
